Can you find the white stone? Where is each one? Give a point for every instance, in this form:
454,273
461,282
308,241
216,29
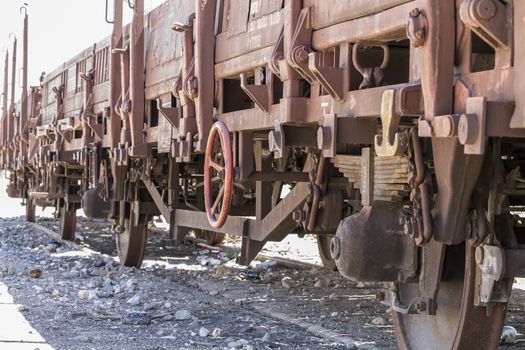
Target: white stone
217,333
83,294
204,332
378,321
182,315
135,300
286,282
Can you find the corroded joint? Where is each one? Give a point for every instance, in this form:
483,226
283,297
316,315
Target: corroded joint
488,19
299,54
417,27
192,87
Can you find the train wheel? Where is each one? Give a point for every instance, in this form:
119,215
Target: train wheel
458,324
211,238
131,242
323,244
217,209
68,223
30,210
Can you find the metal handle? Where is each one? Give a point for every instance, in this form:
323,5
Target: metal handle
360,44
106,17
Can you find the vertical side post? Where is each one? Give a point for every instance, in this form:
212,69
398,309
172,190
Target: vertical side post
437,57
204,69
114,76
518,119
292,82
24,108
4,101
136,117
10,114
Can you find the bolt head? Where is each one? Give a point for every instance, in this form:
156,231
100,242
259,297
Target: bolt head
415,12
421,306
302,54
486,9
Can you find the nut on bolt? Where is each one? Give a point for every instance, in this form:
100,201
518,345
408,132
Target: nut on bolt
415,12
299,215
468,129
417,27
421,306
486,9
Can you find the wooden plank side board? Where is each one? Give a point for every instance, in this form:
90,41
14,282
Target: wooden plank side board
389,25
262,32
329,12
164,47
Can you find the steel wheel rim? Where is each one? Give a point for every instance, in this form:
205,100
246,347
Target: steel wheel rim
131,243
323,245
458,324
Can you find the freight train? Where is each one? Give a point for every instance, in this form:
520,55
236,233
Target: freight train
393,130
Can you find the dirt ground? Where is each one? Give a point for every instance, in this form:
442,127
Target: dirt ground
188,297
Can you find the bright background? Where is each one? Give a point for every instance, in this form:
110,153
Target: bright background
58,30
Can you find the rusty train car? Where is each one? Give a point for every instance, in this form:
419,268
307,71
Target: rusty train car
394,126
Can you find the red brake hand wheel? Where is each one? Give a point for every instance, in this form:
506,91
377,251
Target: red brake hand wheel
218,209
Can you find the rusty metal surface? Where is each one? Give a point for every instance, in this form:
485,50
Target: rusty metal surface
324,107
371,246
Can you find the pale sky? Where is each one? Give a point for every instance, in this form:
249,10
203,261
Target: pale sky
58,30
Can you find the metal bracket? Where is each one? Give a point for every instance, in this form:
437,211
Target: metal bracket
491,261
277,56
488,19
276,141
472,126
391,143
171,114
300,47
259,94
331,78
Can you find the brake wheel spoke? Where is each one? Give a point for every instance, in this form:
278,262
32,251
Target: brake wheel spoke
216,166
218,199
